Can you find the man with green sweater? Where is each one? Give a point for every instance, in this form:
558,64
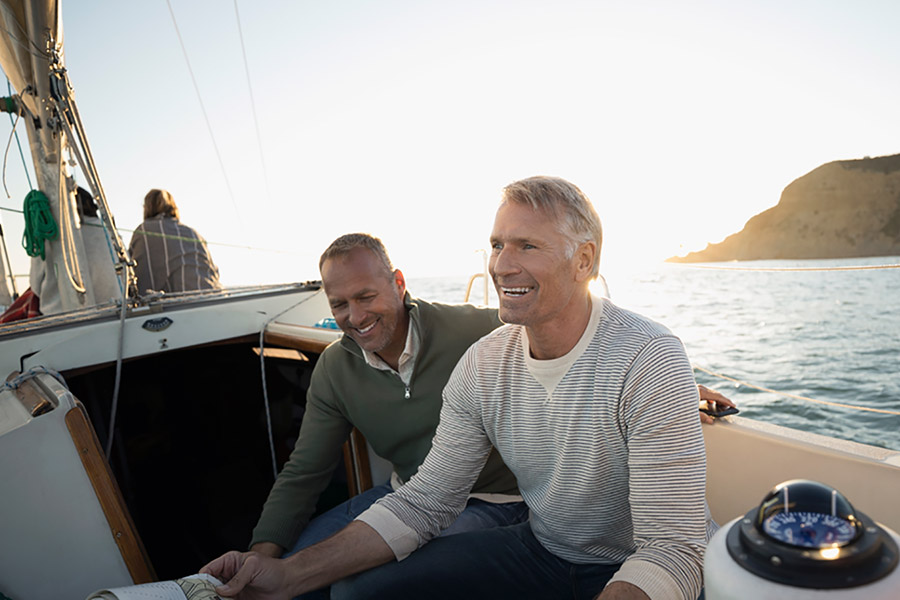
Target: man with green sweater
384,377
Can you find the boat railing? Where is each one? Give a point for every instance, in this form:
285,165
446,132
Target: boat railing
471,284
483,275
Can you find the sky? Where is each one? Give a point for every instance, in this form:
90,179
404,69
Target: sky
405,119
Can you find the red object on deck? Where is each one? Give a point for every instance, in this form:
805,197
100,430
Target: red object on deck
25,306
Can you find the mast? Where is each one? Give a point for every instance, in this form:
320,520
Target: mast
31,54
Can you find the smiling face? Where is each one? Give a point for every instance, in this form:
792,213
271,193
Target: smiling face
540,282
367,302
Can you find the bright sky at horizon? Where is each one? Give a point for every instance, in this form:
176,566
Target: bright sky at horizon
405,119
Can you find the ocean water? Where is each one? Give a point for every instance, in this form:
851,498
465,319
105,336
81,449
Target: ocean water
828,335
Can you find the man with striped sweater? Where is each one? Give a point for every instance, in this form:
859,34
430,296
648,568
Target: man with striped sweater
592,407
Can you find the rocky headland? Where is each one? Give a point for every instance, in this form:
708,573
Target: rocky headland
843,209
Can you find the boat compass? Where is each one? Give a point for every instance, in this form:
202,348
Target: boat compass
803,538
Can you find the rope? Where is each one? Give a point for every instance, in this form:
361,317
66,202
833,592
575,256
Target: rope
796,397
262,367
39,223
847,268
68,247
78,146
118,380
14,383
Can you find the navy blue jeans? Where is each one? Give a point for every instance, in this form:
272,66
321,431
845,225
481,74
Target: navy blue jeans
477,515
502,562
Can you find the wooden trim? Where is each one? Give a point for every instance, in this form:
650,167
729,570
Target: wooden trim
352,487
109,495
289,341
356,461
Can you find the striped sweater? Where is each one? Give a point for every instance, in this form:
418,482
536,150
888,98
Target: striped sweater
604,442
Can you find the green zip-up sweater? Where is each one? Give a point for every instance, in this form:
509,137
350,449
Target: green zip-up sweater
345,392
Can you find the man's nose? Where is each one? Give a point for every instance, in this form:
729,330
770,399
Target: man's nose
356,314
502,263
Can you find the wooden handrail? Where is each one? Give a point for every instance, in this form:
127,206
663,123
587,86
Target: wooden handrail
356,461
109,495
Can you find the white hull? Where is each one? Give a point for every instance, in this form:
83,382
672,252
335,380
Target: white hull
91,337
747,458
64,534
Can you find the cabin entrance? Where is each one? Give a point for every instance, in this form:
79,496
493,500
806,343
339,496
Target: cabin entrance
191,448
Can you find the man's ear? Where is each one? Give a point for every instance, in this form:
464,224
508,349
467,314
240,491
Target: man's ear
400,281
584,256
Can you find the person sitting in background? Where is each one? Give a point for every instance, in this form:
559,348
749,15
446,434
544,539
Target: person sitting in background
170,256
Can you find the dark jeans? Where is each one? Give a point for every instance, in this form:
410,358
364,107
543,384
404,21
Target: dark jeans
502,562
477,515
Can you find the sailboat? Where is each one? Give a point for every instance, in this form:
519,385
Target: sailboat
139,436
171,394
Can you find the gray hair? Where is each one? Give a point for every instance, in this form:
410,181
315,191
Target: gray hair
573,210
350,241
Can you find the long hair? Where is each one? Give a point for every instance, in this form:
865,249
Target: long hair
159,202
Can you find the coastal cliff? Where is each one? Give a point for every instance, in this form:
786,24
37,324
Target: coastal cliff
843,209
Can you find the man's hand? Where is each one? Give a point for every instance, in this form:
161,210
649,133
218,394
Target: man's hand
622,590
714,400
249,576
268,548
254,576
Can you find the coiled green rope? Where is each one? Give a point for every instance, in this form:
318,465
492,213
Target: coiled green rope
39,223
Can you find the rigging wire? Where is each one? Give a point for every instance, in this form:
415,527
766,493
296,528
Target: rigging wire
795,396
203,107
176,237
262,157
12,134
78,146
73,128
209,243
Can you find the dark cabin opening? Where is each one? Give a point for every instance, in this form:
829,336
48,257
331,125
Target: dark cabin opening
191,450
